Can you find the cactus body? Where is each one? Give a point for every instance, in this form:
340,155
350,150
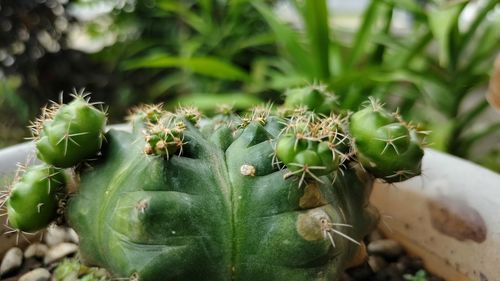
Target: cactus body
314,98
385,146
220,211
33,201
257,197
72,134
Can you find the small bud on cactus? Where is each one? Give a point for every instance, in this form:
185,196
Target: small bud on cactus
165,138
385,146
33,199
69,134
311,145
314,97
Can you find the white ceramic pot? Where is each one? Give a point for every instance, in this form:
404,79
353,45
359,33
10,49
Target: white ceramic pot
449,216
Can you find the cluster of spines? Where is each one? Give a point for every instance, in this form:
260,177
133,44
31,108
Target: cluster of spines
163,130
312,146
165,138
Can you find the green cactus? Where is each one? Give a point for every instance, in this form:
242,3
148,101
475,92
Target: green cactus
313,97
68,134
255,197
33,198
385,145
216,212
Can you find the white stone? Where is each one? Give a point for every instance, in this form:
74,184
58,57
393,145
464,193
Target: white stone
39,274
12,260
72,236
37,250
60,251
55,235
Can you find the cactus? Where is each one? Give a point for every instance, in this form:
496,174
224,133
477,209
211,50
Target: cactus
386,146
68,134
313,97
253,197
33,199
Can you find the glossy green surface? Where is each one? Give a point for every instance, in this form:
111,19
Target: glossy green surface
73,135
384,146
32,203
199,217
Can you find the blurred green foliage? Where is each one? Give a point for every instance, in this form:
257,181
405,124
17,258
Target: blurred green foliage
210,52
73,270
191,47
435,73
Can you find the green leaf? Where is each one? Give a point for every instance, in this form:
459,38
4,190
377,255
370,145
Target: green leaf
480,18
185,14
208,66
315,14
411,6
288,40
442,22
208,101
364,33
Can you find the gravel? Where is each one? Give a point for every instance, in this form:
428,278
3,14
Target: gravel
387,260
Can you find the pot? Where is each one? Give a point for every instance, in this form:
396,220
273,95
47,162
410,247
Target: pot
449,216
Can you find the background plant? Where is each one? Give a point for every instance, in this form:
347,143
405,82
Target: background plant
435,72
215,52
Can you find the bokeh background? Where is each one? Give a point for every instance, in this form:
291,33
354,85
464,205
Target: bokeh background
431,60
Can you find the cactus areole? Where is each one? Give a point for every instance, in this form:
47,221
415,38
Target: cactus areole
254,197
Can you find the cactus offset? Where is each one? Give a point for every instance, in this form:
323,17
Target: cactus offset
254,197
69,134
34,198
385,146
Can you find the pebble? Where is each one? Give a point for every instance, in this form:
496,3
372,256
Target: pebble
12,260
55,235
37,250
39,274
72,236
385,247
376,263
60,251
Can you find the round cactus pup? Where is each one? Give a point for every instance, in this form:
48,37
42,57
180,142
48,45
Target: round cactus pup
314,98
385,146
69,134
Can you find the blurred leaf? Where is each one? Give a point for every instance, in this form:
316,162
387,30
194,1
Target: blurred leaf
479,18
364,34
411,6
288,40
484,48
209,66
185,14
315,15
208,102
442,21
256,40
378,54
10,98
